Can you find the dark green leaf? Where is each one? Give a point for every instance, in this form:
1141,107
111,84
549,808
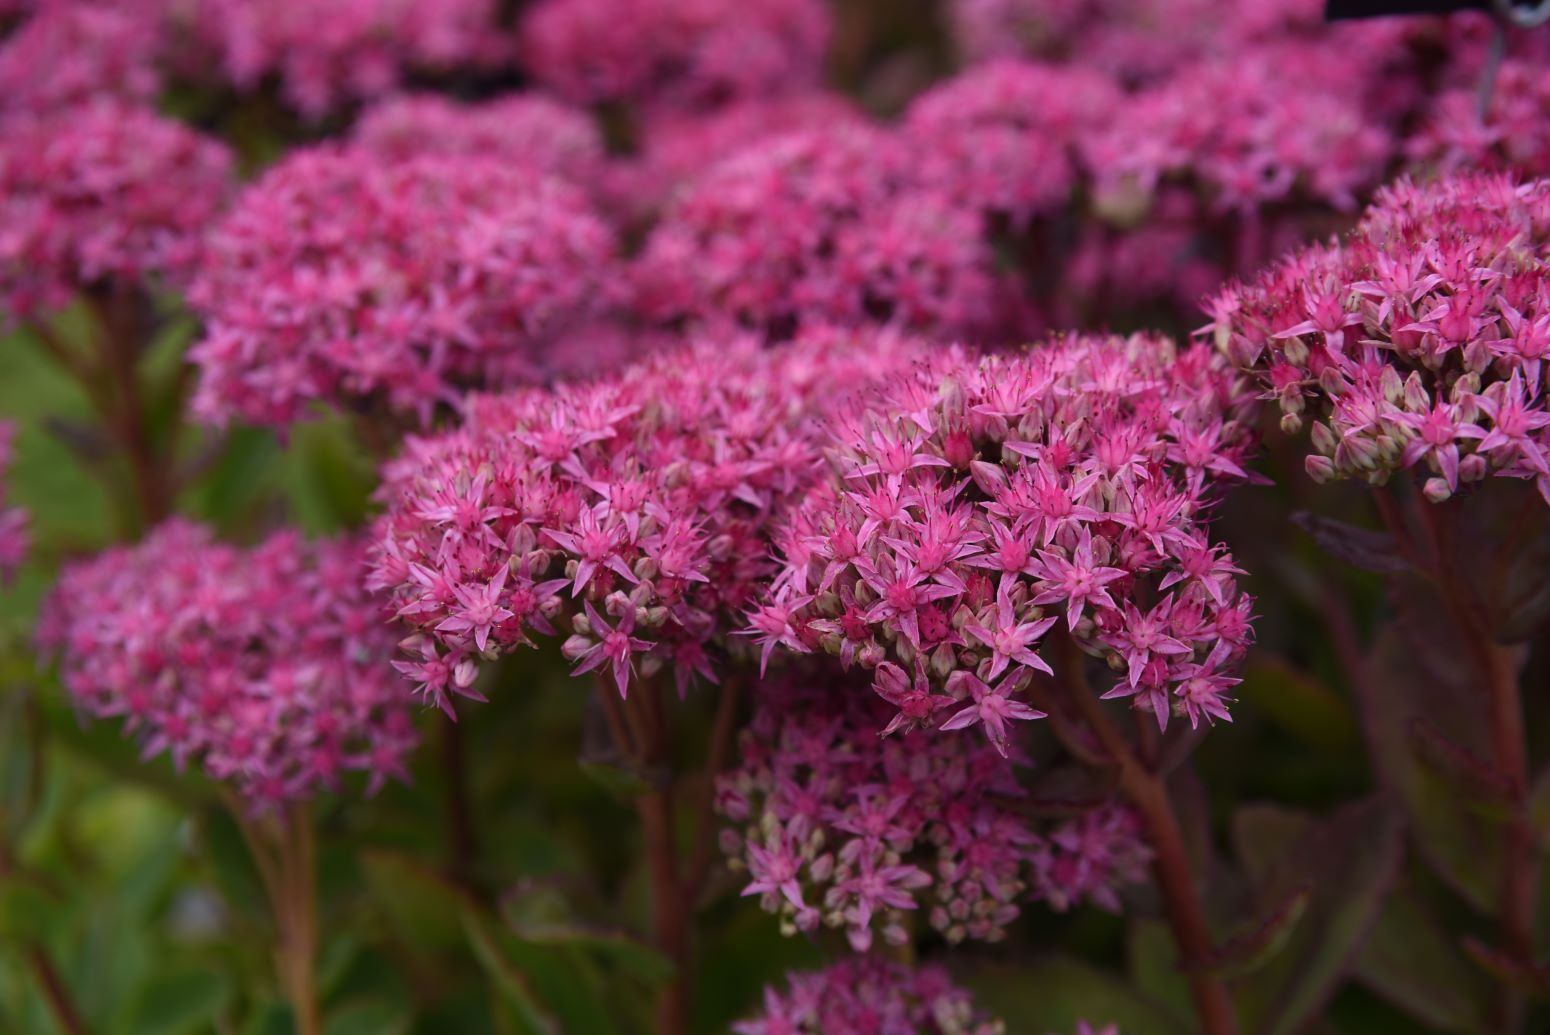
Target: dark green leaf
1414,965
1052,994
1346,865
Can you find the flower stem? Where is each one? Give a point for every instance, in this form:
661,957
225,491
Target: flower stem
60,1005
1497,666
640,733
284,849
1148,792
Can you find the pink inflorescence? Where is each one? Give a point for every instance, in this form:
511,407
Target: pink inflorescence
13,520
1003,136
330,54
103,193
526,129
975,508
838,827
1420,341
267,666
1272,124
73,52
631,510
676,146
833,225
343,277
864,995
675,54
1514,134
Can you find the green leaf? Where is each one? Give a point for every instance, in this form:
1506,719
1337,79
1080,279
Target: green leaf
1304,706
1412,963
180,1002
367,1017
540,916
424,907
1052,994
1263,834
1154,966
1256,945
516,992
1346,865
27,913
1421,679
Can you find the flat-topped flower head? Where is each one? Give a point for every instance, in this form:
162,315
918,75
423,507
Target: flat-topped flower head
328,55
1271,124
977,510
834,225
346,278
1003,136
13,520
838,827
532,130
675,54
267,667
1514,133
630,513
1419,341
103,195
66,54
676,146
865,995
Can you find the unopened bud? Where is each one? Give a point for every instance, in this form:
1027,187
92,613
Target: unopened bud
1323,438
1291,424
574,647
1436,490
464,673
1295,350
1473,468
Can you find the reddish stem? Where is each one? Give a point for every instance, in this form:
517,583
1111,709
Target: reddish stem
54,991
1496,665
1147,791
642,736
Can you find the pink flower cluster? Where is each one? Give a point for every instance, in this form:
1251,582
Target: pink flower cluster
268,666
676,146
1514,134
632,510
13,520
1420,341
343,277
1261,126
865,995
833,225
1003,137
844,829
102,193
526,129
68,53
974,507
675,54
329,54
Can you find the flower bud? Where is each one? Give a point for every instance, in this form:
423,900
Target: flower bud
1291,424
575,646
1436,490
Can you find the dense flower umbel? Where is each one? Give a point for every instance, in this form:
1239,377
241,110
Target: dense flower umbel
69,53
864,995
838,827
831,225
675,146
13,520
1515,133
977,508
1269,124
328,54
677,54
1421,340
1002,137
268,667
344,277
101,193
526,129
631,510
